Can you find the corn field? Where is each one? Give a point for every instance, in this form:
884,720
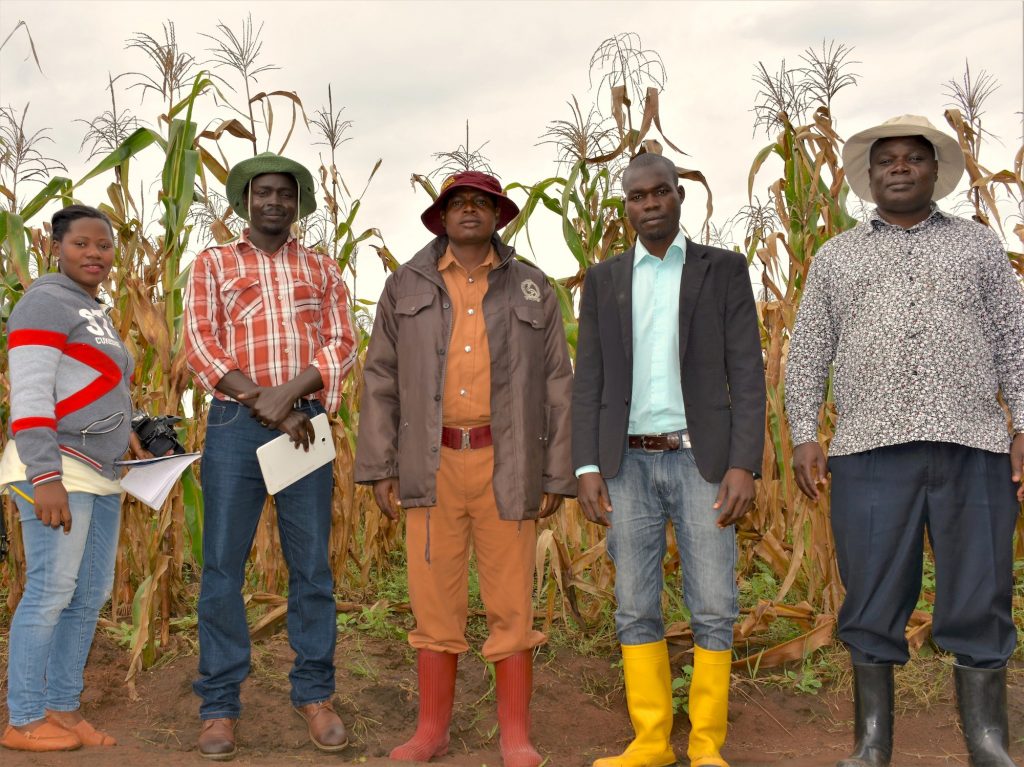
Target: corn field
799,171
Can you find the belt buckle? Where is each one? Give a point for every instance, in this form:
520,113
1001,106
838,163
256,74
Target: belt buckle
643,444
465,439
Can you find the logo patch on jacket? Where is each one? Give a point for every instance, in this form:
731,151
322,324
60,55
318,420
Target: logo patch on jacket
530,290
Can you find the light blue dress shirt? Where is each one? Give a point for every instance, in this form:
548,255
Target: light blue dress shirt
657,399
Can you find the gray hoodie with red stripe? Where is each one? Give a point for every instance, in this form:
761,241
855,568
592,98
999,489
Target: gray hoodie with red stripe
69,375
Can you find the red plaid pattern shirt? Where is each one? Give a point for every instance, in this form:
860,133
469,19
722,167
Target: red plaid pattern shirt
269,315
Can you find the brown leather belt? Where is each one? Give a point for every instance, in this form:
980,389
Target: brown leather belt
466,439
656,443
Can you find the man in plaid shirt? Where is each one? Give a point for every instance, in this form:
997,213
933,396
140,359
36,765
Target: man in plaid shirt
269,333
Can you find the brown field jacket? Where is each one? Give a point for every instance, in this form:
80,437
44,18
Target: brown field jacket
531,384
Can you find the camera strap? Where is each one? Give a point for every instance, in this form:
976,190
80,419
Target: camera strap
5,543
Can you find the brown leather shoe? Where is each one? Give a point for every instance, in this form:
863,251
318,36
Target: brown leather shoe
85,732
39,737
217,739
325,727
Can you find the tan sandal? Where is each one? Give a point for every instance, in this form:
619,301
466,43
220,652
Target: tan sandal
46,737
86,733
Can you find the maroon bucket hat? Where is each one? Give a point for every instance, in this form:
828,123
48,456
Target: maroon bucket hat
473,179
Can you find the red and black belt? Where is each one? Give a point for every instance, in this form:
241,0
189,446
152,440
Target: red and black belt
466,439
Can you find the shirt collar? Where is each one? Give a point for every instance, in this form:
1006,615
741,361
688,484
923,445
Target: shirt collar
244,237
448,259
678,245
877,222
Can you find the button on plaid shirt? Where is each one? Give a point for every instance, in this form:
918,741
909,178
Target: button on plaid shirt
269,316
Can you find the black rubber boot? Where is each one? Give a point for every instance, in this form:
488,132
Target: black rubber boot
981,698
872,724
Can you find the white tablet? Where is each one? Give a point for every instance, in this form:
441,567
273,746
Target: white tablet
282,463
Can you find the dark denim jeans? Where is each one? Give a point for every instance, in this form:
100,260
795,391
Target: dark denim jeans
233,493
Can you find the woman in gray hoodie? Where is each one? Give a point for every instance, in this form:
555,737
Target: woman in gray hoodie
70,419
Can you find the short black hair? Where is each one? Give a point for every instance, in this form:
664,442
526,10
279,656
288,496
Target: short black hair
648,159
918,139
63,218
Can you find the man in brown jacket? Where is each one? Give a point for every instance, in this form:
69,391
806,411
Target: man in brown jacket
464,423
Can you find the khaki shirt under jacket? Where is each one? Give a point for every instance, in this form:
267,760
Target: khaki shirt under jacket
400,414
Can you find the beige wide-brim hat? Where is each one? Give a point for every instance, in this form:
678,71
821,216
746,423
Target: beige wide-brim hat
857,151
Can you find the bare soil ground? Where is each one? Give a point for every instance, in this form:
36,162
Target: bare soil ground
579,713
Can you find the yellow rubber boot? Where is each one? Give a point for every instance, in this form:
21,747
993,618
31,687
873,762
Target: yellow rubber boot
649,697
709,706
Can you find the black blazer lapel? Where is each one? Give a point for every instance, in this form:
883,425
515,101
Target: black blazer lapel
694,269
622,284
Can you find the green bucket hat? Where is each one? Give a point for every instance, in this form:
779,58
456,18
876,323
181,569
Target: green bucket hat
268,162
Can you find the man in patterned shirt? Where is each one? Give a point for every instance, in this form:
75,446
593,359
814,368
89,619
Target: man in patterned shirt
269,333
921,317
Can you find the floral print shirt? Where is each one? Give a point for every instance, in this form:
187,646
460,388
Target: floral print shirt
922,326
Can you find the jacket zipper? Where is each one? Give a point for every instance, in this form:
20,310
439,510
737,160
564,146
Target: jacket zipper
516,422
440,406
444,375
439,283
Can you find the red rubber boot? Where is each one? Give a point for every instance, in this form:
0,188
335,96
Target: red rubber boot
514,681
436,671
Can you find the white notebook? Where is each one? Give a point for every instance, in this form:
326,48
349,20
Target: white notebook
151,479
282,463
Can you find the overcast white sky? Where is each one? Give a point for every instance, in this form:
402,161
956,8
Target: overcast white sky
410,74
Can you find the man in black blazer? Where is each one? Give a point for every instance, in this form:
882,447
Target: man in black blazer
668,426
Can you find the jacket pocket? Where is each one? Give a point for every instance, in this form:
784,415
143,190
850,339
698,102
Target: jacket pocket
553,416
409,306
242,297
531,315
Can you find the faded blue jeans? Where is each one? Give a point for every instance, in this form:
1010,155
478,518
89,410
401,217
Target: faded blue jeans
651,490
233,494
67,580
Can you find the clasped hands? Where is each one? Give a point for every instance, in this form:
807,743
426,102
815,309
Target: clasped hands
274,408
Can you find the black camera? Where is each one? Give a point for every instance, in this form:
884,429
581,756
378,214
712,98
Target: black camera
157,434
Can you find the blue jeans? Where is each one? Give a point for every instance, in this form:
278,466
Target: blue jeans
67,580
233,495
651,490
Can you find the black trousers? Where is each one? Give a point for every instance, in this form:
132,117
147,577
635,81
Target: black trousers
883,503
